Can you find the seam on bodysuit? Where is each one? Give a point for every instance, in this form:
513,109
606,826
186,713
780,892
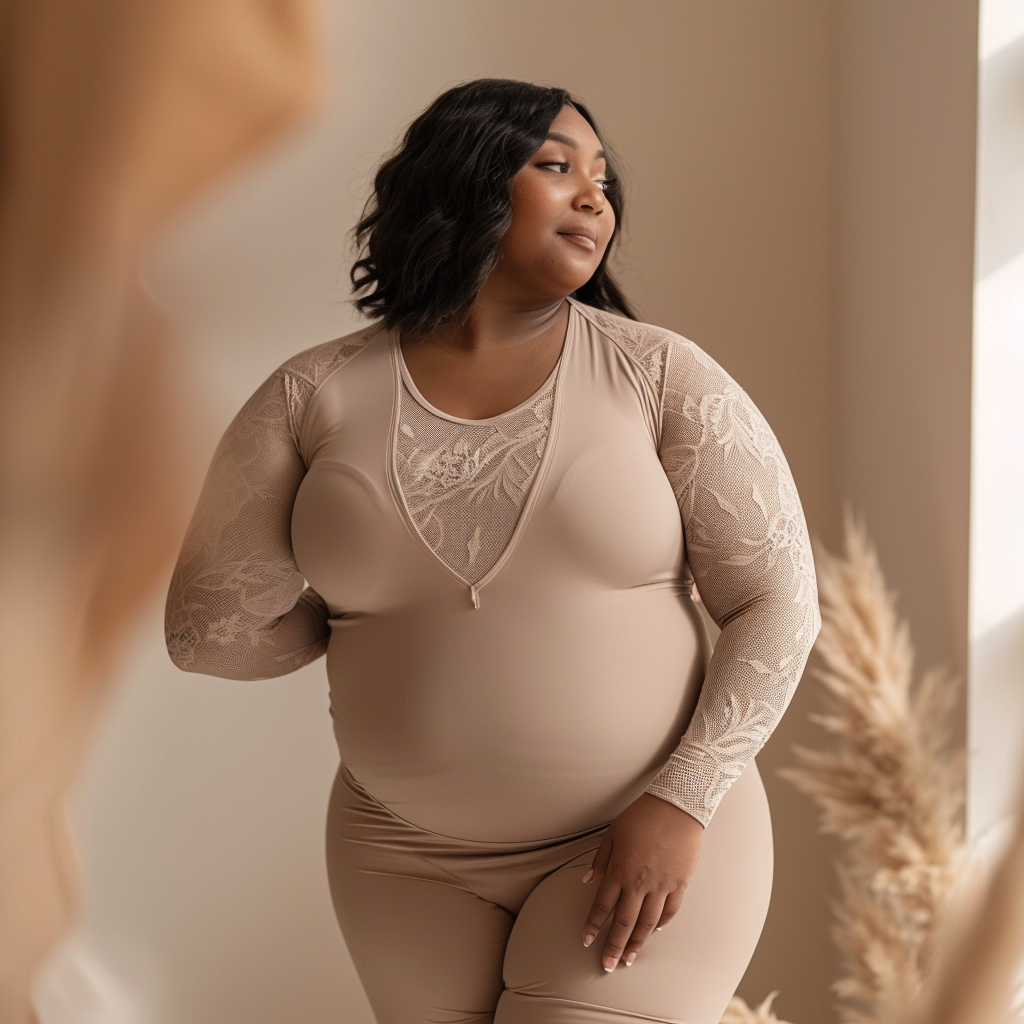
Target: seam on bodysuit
550,394
656,399
458,882
520,846
294,370
455,883
597,1008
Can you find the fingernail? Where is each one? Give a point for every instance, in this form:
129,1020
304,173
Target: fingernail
660,926
589,875
613,963
630,959
588,939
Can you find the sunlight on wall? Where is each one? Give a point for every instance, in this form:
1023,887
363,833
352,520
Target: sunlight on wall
996,709
76,986
1001,22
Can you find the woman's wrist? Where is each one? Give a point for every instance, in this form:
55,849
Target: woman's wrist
682,800
690,819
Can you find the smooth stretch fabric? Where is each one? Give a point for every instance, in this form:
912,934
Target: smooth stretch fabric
452,931
512,649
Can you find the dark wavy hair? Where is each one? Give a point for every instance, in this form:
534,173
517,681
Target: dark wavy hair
429,233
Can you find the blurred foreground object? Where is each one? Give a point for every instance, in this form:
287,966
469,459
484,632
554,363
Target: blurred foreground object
114,113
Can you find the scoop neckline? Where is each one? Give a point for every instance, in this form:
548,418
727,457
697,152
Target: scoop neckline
433,410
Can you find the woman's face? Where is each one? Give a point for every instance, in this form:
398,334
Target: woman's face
561,220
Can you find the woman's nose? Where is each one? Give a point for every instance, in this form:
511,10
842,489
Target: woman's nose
591,198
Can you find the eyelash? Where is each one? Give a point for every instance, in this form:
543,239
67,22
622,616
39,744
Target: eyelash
605,183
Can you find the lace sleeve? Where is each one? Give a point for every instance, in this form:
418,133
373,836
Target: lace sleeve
236,607
749,552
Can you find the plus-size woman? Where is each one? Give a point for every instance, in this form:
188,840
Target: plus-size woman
500,492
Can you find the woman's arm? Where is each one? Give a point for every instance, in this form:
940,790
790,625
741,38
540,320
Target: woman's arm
236,607
749,552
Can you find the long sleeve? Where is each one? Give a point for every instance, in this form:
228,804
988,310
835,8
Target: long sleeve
236,607
750,555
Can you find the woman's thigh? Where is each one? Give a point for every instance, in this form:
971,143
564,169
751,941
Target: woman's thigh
426,948
686,972
443,930
425,952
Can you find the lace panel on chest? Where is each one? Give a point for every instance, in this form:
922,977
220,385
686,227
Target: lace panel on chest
465,484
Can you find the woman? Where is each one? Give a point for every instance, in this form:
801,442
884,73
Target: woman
498,491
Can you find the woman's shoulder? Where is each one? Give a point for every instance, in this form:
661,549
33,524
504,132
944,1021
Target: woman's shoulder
303,374
312,366
658,351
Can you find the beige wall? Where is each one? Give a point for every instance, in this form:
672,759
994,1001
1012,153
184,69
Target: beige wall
835,299
905,207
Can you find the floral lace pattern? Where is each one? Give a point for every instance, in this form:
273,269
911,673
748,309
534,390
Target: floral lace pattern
236,606
465,484
749,552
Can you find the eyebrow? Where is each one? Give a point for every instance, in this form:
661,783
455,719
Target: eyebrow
569,141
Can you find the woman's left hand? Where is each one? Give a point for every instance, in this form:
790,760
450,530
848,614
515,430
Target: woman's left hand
642,868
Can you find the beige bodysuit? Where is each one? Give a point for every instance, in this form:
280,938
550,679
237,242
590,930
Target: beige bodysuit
512,650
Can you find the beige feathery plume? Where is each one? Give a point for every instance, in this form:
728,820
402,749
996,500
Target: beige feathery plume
889,786
979,947
929,936
978,950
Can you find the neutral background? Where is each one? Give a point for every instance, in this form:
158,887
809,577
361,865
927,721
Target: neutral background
801,183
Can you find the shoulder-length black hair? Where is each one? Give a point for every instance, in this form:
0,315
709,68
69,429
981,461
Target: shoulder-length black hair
429,233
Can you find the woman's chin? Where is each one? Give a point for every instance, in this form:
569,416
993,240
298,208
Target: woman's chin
566,279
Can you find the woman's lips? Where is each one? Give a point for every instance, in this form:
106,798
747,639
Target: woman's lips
583,241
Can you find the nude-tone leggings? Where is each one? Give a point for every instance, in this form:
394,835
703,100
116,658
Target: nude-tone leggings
451,931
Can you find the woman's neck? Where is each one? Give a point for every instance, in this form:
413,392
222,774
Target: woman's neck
496,322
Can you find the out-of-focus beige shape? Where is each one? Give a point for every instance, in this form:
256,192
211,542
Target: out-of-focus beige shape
114,112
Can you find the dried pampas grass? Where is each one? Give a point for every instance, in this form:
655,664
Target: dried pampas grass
890,786
738,1012
929,935
978,958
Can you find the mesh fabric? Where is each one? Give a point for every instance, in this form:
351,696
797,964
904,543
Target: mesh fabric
465,484
236,606
748,550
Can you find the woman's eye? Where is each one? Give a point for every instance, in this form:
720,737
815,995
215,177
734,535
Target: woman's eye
563,168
